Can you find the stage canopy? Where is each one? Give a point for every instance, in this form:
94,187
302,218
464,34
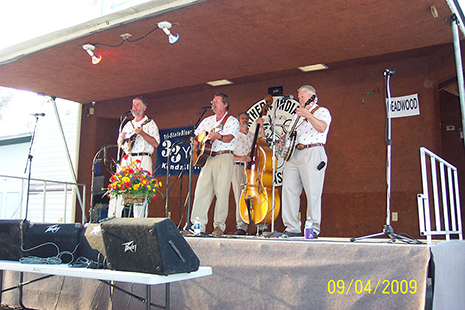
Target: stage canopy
238,40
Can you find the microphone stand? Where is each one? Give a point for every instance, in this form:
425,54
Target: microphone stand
168,174
387,229
29,166
119,133
274,159
189,193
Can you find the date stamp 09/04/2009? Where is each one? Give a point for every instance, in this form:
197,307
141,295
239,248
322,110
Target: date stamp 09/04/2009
385,287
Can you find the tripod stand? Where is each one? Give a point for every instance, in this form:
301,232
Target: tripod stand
387,229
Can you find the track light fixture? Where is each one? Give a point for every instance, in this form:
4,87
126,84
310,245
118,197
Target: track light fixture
165,26
89,49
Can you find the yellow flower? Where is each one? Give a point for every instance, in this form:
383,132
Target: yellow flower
136,187
126,179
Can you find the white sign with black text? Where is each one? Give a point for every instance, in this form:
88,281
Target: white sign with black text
405,106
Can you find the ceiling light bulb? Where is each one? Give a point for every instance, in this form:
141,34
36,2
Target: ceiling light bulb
172,38
89,49
96,59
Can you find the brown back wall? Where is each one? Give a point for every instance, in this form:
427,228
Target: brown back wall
354,198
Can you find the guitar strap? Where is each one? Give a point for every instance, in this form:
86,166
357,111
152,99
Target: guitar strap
314,110
224,120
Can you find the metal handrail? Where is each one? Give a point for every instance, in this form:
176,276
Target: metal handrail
444,189
51,186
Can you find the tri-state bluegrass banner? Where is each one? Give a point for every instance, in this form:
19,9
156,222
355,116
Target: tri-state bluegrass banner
174,142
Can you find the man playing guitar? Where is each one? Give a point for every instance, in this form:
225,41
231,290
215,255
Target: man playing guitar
306,168
215,176
138,139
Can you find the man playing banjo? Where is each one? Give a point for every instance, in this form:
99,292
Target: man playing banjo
305,162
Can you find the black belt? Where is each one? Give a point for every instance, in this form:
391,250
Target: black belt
239,163
140,154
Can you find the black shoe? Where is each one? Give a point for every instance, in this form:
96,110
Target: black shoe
240,232
291,234
315,235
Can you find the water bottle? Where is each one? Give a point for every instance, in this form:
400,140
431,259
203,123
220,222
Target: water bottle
197,226
308,228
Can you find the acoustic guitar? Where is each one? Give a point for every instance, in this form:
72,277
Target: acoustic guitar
204,146
131,136
203,150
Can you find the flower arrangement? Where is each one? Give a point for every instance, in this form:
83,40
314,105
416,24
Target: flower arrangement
135,181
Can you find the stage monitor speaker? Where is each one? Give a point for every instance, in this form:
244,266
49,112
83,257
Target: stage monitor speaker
53,240
89,252
150,245
12,233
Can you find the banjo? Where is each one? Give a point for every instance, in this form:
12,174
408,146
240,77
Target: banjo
291,138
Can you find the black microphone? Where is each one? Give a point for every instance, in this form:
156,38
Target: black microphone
208,108
389,72
38,114
127,113
288,97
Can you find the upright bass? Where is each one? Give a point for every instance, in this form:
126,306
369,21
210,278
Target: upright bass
256,198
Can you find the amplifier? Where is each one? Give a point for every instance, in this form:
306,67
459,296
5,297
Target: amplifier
53,240
12,233
150,245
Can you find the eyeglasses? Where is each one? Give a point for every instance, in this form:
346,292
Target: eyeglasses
216,101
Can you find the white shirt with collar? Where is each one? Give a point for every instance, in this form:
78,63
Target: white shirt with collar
306,133
140,145
231,127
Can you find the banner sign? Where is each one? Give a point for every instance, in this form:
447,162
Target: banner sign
405,106
174,142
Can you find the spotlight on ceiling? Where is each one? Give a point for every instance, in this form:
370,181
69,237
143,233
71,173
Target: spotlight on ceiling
165,26
89,49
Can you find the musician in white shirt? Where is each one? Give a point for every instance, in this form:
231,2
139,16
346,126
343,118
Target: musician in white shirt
138,139
306,168
215,176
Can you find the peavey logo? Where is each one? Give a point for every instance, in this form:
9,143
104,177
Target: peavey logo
96,230
285,110
130,246
52,228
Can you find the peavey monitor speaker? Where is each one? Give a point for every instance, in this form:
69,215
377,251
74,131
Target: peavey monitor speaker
12,233
53,240
91,245
150,245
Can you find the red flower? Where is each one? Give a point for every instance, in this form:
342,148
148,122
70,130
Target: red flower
155,198
125,157
138,161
